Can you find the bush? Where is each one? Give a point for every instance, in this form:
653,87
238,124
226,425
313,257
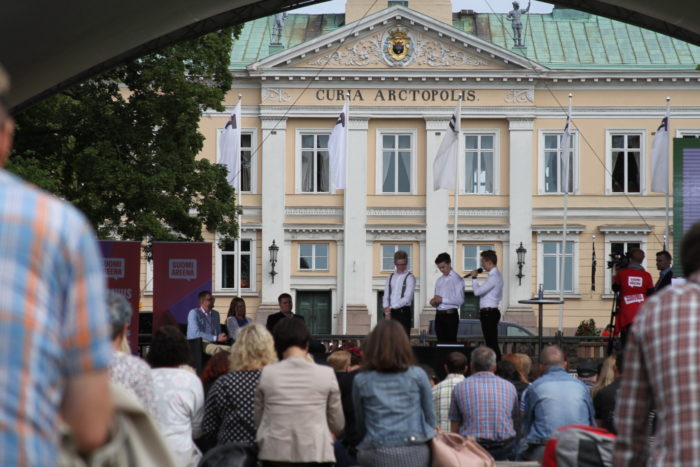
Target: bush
587,328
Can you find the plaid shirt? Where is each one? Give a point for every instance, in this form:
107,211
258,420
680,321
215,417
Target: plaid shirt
442,396
53,317
662,360
485,405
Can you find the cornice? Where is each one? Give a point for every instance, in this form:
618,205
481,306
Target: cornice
481,213
625,229
314,211
396,212
574,229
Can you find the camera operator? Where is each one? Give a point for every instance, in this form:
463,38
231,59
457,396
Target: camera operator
633,285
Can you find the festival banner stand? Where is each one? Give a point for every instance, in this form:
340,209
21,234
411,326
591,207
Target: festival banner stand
122,266
180,271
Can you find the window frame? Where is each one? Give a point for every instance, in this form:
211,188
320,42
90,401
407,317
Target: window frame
314,256
611,238
395,245
609,133
464,254
462,166
298,160
253,157
541,162
379,161
549,237
218,265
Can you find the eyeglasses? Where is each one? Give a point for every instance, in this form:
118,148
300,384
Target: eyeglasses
401,264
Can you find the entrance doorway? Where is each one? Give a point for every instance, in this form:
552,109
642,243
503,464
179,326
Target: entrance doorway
315,307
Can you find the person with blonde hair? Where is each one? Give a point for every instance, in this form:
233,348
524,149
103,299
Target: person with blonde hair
606,376
522,363
339,361
228,413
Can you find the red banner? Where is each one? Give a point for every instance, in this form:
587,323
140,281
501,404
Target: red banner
180,271
122,265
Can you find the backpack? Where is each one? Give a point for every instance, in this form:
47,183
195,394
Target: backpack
579,446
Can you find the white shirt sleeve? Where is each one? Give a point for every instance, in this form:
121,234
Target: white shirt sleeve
386,299
408,294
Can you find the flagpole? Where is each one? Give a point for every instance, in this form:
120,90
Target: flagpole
668,162
345,220
458,124
240,208
562,258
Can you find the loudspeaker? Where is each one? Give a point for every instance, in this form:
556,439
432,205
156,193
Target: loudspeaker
435,357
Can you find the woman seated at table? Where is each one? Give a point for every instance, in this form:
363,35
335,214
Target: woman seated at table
236,319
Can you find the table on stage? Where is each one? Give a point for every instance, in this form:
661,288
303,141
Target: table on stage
540,302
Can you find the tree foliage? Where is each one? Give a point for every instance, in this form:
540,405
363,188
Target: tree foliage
122,147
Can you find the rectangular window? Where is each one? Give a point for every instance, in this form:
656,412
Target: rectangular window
388,256
314,163
396,163
479,163
397,3
228,266
552,164
246,162
472,256
551,254
313,256
626,153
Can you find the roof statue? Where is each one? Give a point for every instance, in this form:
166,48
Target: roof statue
514,16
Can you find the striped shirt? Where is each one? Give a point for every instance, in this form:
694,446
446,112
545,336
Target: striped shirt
485,405
442,396
662,359
53,317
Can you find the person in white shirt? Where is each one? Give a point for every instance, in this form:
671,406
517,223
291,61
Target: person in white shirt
398,292
490,294
449,296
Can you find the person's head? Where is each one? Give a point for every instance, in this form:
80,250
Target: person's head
430,373
637,255
215,367
690,251
516,5
7,125
663,260
489,260
552,356
253,349
285,303
587,369
522,363
483,359
169,348
355,357
444,263
206,299
456,362
387,348
339,361
236,308
119,314
608,373
507,370
401,261
291,332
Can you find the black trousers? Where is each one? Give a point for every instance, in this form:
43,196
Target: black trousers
446,327
489,318
403,316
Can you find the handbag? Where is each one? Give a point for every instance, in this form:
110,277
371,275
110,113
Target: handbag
455,450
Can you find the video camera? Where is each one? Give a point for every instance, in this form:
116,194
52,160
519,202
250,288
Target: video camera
619,260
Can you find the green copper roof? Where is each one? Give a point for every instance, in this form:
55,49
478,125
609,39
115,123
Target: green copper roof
563,39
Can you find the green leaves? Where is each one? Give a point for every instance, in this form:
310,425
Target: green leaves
122,146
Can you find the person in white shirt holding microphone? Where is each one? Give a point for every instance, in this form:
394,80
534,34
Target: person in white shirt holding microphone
398,292
448,299
490,294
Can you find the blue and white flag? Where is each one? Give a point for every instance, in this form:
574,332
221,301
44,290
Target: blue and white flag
659,158
445,163
337,150
230,146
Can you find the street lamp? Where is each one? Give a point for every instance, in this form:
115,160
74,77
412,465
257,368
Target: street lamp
521,262
273,249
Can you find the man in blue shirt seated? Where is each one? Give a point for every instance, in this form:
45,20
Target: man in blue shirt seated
204,322
554,400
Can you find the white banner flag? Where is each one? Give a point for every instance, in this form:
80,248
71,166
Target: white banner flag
445,163
230,145
659,158
565,155
337,150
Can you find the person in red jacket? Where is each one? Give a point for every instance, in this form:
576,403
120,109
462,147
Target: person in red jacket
633,285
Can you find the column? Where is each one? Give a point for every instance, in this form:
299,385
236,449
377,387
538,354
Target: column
437,239
521,162
273,214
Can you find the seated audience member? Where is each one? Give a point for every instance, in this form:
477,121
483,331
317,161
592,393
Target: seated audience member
339,361
507,371
522,363
126,370
345,446
587,372
604,399
217,366
297,403
204,322
430,373
554,400
455,367
229,408
179,397
485,406
393,402
285,303
607,374
236,318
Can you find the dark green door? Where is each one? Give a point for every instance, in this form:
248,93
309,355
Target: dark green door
470,307
315,307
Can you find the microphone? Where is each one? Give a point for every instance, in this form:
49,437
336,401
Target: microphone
478,271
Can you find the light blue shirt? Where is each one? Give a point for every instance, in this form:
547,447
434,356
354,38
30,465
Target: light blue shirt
203,324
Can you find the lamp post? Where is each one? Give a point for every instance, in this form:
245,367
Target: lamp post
273,249
521,262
